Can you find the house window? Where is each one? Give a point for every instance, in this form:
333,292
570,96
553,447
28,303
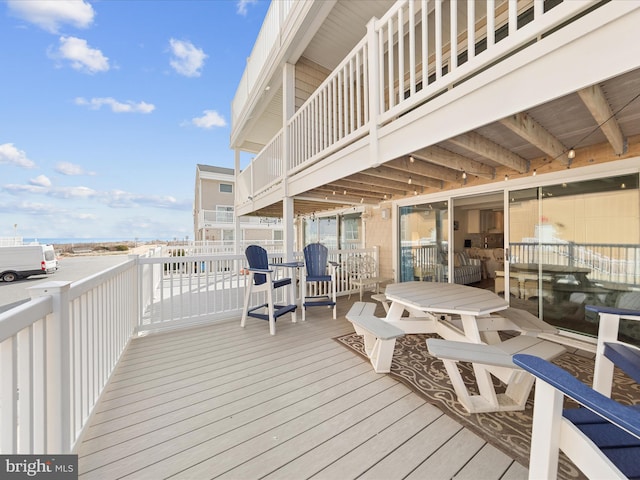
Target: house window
340,231
226,188
224,214
350,228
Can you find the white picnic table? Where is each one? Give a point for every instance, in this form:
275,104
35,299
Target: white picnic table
469,319
434,308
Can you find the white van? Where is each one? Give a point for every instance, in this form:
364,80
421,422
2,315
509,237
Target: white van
26,260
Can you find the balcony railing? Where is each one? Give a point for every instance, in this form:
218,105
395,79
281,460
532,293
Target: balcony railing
59,350
268,39
611,263
408,58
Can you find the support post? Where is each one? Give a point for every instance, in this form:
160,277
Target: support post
375,90
288,110
58,384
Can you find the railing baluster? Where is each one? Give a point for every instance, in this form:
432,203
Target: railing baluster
425,42
412,49
453,36
400,55
438,39
471,29
390,70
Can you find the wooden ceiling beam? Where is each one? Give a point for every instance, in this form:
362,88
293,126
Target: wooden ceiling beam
594,99
340,185
527,128
421,166
404,177
344,200
484,147
446,158
400,187
329,192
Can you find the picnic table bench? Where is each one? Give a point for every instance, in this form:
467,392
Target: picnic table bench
379,336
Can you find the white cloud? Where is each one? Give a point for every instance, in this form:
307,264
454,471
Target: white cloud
50,14
242,5
41,180
17,189
114,199
122,199
30,208
11,155
116,106
81,56
73,192
66,168
83,216
209,119
56,192
187,59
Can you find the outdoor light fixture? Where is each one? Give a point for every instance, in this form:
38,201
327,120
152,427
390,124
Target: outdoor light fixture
506,177
571,154
534,172
410,181
344,193
464,175
411,159
334,192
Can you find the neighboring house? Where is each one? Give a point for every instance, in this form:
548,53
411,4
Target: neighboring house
214,214
450,126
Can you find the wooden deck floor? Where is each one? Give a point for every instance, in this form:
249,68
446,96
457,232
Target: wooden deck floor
222,401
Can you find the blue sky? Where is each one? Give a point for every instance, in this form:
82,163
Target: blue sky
107,106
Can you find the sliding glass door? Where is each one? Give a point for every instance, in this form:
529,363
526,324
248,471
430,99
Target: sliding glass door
575,244
424,240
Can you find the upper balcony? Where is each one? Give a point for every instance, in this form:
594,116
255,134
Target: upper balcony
415,97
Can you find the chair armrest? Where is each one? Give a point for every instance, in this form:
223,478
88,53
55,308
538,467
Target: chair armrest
260,270
623,312
623,416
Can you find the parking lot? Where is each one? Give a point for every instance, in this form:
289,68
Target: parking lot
70,269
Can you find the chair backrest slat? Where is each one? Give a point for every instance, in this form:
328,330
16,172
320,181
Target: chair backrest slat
315,259
257,258
624,356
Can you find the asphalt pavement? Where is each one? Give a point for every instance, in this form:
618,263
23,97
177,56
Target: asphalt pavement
70,269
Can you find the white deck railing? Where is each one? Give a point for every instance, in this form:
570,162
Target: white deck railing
336,114
399,66
57,353
59,350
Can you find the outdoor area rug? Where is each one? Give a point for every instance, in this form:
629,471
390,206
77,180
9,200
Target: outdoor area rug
507,431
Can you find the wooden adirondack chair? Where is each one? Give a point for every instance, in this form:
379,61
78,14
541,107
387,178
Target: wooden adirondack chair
263,279
602,437
319,279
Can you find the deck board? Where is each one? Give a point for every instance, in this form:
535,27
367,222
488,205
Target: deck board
223,401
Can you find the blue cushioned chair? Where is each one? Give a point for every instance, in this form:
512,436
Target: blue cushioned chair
263,279
319,276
